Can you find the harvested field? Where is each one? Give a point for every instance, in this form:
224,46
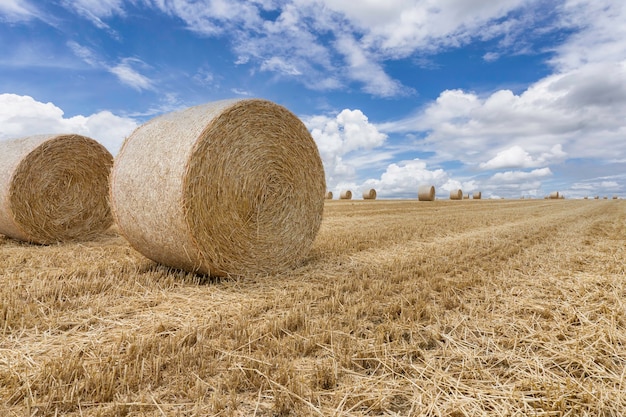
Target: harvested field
500,308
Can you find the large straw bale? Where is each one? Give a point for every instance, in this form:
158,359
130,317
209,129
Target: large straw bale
369,194
346,195
54,188
456,195
426,193
232,187
329,195
477,195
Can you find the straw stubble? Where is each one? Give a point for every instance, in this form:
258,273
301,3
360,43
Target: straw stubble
232,187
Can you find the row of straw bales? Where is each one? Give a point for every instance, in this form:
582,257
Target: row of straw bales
347,195
424,193
226,188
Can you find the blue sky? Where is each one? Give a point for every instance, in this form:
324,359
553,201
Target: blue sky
511,97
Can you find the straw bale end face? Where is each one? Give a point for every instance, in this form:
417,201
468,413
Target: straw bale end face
54,188
234,187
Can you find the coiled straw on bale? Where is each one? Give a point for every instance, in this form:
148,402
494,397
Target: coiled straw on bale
346,195
232,187
54,188
369,194
456,195
329,195
477,195
426,193
554,195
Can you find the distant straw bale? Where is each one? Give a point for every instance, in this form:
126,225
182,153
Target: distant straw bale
466,196
456,195
54,188
345,195
426,193
554,195
477,195
329,195
369,194
232,187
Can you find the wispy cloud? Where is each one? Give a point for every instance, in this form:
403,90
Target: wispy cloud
17,10
96,10
130,76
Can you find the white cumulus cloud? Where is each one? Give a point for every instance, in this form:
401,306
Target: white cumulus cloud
22,116
517,157
344,142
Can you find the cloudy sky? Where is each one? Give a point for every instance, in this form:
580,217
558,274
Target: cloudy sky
510,97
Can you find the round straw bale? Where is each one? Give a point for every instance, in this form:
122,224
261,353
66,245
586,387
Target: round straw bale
54,188
466,196
477,195
232,187
456,195
346,195
329,195
554,195
426,193
369,194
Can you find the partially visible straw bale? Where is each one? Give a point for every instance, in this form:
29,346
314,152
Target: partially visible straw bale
346,195
426,193
329,195
477,195
232,187
369,194
54,188
456,195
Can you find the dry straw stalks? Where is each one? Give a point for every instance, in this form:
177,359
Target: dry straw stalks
54,188
232,187
518,313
